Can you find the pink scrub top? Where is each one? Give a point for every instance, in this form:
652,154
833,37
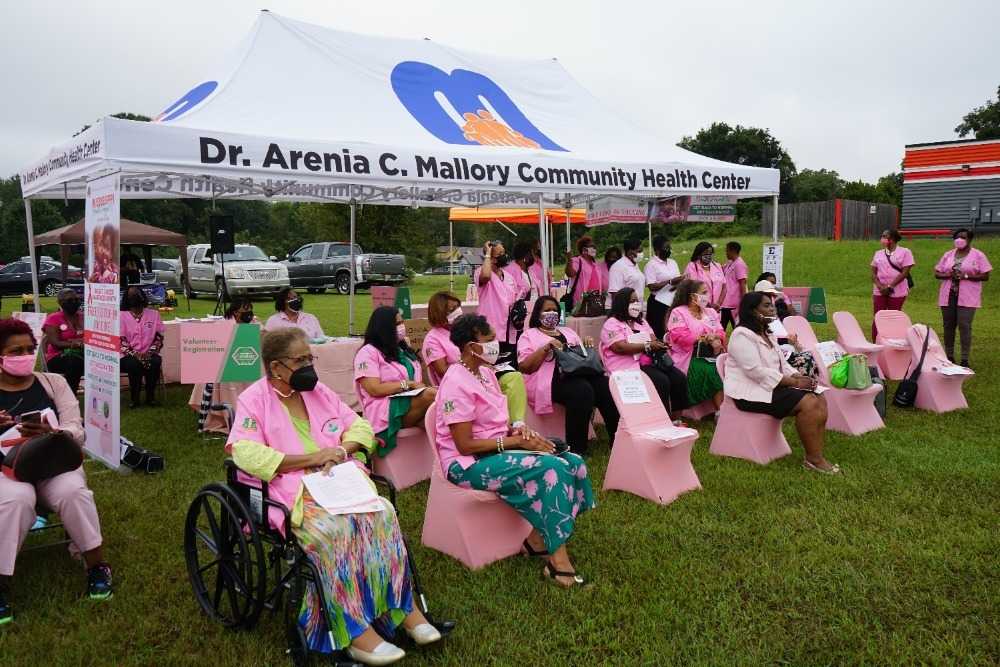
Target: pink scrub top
735,271
463,398
495,300
713,277
369,363
67,331
970,292
541,279
901,257
589,277
140,334
438,345
684,330
615,330
539,383
305,321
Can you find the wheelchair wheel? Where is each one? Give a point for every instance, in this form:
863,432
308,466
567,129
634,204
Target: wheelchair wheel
225,562
298,650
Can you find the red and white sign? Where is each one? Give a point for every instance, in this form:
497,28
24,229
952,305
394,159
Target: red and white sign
101,334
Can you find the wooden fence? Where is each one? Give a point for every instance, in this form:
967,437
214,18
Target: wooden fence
834,219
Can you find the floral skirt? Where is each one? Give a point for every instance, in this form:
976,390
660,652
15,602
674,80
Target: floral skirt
363,569
548,491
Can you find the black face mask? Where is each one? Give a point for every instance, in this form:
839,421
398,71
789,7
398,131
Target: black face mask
502,260
135,302
71,307
665,253
294,304
247,317
303,379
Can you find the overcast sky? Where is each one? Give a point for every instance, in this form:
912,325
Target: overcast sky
842,85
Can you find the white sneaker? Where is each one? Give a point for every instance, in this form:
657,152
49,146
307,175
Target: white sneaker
424,634
383,654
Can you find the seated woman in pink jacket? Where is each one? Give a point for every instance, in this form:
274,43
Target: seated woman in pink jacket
288,424
759,380
546,384
628,344
23,391
696,337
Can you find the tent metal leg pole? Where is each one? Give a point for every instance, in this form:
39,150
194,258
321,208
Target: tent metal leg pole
568,249
451,256
774,219
350,297
31,254
542,235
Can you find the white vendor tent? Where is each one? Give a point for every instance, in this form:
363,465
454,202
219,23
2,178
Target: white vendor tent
304,113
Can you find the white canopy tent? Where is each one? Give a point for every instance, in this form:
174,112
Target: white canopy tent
304,113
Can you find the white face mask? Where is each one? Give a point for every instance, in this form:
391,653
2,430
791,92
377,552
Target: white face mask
702,300
491,352
635,309
400,331
454,315
592,252
641,256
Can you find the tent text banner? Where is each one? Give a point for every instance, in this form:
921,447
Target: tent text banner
102,342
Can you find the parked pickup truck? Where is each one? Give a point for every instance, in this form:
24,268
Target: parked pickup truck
317,266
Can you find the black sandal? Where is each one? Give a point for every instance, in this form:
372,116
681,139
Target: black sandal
551,573
531,551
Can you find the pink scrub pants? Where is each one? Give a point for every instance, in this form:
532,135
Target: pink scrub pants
67,495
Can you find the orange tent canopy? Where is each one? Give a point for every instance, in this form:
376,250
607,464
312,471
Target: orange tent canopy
521,216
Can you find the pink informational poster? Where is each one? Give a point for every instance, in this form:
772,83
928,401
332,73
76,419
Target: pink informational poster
102,378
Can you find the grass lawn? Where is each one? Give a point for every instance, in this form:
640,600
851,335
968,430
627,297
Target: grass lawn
894,562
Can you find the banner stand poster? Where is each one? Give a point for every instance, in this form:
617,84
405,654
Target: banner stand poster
101,337
774,260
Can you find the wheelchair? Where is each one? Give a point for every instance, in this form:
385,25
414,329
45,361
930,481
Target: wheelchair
239,566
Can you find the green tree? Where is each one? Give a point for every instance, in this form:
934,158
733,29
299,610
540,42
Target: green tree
860,191
982,122
751,146
816,185
889,189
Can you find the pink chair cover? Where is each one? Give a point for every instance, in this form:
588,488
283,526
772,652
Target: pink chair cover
936,392
410,462
893,360
475,527
649,468
850,411
700,411
746,435
852,338
553,425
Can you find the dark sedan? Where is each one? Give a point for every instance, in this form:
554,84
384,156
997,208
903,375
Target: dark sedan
15,278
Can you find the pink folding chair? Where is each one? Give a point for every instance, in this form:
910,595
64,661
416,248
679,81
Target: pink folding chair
651,468
700,411
895,357
410,462
936,392
475,527
553,425
850,411
851,338
746,435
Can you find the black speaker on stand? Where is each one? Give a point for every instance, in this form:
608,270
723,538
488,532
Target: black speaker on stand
222,238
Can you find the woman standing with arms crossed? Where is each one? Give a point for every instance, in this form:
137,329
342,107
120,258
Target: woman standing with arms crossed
890,275
962,270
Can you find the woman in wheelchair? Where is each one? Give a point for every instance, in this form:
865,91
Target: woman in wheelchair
479,450
22,391
286,424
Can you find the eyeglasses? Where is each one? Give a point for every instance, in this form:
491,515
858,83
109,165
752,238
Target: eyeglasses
304,360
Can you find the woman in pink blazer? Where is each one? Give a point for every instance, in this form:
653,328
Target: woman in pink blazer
962,272
759,380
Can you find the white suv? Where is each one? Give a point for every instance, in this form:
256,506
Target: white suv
248,271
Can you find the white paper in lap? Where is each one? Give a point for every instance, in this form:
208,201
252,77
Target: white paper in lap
344,490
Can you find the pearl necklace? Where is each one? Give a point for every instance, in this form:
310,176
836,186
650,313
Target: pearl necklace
476,374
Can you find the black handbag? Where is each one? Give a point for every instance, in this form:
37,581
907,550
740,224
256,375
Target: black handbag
906,392
662,361
578,362
516,316
42,457
909,278
591,305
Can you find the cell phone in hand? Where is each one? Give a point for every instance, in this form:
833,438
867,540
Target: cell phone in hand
33,417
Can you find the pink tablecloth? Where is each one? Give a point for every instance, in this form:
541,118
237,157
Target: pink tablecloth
587,326
334,363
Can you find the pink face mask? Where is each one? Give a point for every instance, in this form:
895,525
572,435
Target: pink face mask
884,242
400,331
20,365
960,243
702,300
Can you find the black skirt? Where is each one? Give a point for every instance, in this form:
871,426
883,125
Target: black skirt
783,401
